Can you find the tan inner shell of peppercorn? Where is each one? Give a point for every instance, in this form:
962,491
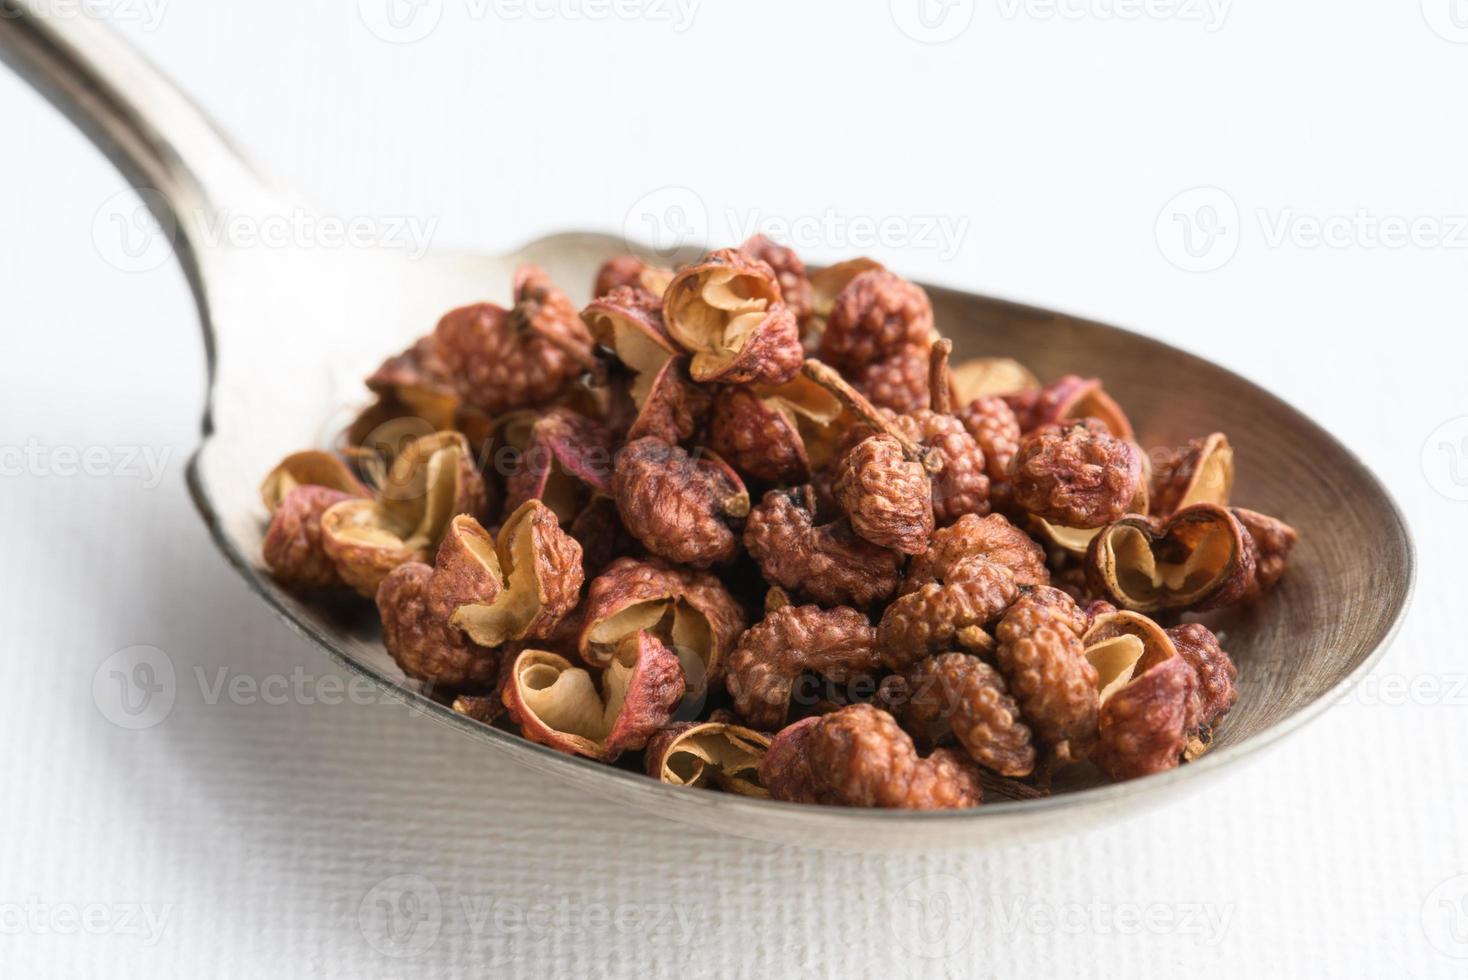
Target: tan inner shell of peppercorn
680,627
1214,479
417,500
706,749
716,319
1074,540
1115,659
566,700
642,355
1094,402
1141,576
562,492
309,468
810,411
364,523
802,396
983,376
1077,540
419,493
511,612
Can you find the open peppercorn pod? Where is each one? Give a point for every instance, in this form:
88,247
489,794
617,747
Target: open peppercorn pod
311,467
537,568
631,270
1200,558
689,611
1162,692
434,479
1070,399
700,753
416,603
557,703
628,321
728,312
559,457
775,433
1202,472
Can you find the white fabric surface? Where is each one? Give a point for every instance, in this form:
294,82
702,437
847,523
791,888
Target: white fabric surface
248,836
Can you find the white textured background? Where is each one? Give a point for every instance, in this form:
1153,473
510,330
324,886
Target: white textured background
244,838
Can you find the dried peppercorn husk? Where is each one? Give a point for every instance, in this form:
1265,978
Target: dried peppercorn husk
1070,399
1215,693
1144,727
876,317
309,468
886,495
681,508
931,618
431,481
717,753
829,563
795,286
690,611
1202,472
995,428
664,400
630,270
1044,661
838,644
293,549
1198,559
562,460
1076,475
498,359
1270,543
1119,644
539,569
774,434
557,704
727,312
416,602
860,756
960,696
992,537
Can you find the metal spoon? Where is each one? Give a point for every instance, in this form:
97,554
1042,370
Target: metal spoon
291,330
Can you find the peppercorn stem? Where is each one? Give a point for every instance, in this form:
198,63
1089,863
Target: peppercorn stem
940,388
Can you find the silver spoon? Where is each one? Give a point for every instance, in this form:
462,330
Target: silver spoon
291,330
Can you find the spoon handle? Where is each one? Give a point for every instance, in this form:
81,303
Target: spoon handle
152,132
